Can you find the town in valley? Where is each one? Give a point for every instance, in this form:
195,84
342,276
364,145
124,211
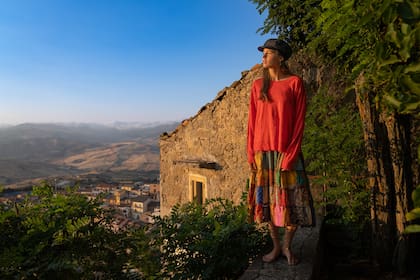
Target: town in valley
135,203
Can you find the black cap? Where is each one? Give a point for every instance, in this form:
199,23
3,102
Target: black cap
276,44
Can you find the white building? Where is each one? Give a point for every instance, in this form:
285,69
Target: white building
139,205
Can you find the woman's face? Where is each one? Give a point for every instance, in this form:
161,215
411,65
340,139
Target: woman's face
270,58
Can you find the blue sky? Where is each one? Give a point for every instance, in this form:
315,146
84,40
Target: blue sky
121,60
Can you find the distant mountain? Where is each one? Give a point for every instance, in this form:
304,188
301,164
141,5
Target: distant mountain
30,151
44,142
130,125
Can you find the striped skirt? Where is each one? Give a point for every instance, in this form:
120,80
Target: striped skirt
282,197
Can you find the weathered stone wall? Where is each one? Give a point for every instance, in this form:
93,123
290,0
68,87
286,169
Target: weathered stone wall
216,134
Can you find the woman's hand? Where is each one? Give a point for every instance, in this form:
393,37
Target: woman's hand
252,166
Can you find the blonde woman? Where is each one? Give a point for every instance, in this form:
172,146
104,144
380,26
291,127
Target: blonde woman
279,191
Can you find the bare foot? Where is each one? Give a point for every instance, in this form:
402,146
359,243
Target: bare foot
272,256
291,258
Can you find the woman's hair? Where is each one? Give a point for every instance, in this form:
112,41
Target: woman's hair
267,80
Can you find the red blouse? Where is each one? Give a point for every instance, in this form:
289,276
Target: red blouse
277,124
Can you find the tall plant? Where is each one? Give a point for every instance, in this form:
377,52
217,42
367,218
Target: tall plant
333,148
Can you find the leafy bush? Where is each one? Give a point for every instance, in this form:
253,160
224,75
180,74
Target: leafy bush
335,157
210,241
414,214
67,236
334,149
60,236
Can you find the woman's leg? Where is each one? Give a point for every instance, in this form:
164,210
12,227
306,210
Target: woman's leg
287,245
277,248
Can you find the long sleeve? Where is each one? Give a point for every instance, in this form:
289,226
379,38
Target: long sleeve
294,148
251,125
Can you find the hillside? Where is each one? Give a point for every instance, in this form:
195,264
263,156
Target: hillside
115,157
36,151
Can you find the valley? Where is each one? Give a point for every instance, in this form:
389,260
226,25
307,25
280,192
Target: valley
31,153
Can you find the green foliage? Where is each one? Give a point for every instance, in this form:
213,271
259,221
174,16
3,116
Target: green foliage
333,141
210,241
59,236
291,20
379,39
414,214
334,151
67,236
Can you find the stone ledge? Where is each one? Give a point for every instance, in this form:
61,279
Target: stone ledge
306,246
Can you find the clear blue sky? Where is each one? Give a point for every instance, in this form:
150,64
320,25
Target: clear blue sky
121,60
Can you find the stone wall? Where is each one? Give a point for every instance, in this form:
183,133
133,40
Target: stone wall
212,145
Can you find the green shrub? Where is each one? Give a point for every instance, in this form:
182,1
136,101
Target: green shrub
210,241
67,236
335,157
414,215
60,236
334,150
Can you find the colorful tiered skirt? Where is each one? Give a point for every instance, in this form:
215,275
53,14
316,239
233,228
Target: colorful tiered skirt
282,197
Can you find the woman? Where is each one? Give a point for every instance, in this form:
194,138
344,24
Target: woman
279,191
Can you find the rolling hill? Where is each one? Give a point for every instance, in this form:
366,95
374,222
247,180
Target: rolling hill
35,151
